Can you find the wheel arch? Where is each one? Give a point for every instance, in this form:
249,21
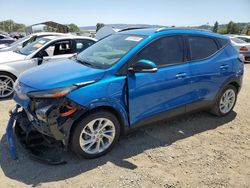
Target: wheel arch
122,118
8,70
235,84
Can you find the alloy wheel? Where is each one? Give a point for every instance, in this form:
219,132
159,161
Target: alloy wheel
227,101
6,86
97,136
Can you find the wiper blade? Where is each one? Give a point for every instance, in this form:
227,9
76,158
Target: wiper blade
84,62
87,63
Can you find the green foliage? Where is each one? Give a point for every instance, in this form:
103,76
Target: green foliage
222,30
99,26
73,28
233,28
10,26
216,26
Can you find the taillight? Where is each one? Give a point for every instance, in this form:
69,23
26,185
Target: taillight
243,49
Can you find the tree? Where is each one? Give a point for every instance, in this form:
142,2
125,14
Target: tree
216,26
233,28
99,26
222,30
10,26
73,28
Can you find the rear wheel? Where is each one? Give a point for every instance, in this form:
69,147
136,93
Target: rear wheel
95,134
6,85
226,101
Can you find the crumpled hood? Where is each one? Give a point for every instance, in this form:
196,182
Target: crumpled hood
59,74
10,56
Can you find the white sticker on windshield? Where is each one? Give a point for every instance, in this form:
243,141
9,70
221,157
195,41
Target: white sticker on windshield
136,39
42,41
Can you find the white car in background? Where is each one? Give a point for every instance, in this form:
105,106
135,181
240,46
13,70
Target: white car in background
43,50
242,47
22,42
246,38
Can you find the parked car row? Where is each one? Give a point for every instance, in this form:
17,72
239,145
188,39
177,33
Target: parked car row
22,42
43,48
242,44
4,39
125,80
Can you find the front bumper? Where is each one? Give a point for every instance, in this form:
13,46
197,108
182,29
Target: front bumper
43,118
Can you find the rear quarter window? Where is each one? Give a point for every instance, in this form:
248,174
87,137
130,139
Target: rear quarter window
222,42
201,47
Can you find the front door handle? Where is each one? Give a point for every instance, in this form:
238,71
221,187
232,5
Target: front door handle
224,67
181,75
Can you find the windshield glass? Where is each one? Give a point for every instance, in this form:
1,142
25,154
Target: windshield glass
108,51
20,41
238,40
29,49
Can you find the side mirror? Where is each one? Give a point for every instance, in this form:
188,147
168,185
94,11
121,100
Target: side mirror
39,60
143,66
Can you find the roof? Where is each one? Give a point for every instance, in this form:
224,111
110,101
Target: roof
153,31
48,33
243,36
139,31
54,38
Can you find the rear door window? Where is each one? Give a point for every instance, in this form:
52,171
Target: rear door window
201,47
83,44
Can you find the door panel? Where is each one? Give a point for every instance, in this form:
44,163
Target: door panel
56,57
153,93
207,75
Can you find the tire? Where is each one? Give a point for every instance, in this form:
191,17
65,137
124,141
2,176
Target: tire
83,138
6,85
220,111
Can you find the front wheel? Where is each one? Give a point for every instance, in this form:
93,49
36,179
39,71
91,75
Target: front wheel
226,101
95,134
6,85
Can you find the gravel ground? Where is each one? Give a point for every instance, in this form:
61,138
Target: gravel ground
197,150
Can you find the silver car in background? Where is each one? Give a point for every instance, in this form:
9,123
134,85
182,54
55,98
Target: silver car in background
246,38
43,50
242,47
22,42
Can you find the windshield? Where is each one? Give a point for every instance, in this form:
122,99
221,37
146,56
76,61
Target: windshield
20,41
238,40
108,51
29,49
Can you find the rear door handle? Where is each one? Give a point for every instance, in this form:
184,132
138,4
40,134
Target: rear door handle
181,75
224,67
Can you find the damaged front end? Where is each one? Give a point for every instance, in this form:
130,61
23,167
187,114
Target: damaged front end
43,126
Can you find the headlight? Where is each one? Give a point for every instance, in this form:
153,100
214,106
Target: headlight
53,93
58,92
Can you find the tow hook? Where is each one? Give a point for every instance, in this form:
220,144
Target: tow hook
9,132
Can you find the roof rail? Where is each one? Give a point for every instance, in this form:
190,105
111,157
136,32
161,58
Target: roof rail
131,28
180,28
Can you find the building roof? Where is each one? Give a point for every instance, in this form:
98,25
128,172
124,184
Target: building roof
59,27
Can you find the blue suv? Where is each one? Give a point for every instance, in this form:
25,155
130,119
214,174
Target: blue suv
131,78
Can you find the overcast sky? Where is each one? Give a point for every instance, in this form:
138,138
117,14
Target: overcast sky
162,12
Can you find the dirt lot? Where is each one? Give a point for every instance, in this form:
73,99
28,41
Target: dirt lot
197,150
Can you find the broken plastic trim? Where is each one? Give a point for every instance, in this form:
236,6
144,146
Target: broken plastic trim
40,147
9,132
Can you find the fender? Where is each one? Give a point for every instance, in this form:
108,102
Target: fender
11,70
115,105
18,67
235,78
